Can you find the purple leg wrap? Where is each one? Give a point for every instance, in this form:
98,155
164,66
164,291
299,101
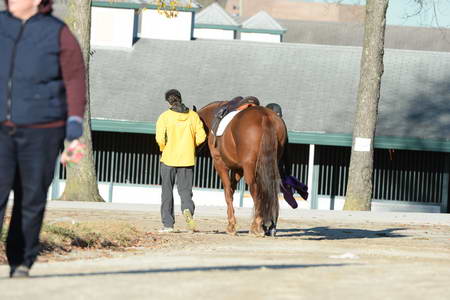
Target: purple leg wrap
288,196
292,183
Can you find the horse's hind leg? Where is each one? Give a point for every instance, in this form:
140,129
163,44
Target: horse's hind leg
229,186
235,176
257,224
256,228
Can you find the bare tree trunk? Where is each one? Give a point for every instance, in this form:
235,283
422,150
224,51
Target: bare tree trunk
359,188
81,183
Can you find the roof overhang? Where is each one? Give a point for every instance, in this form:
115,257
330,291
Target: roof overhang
216,26
329,139
268,31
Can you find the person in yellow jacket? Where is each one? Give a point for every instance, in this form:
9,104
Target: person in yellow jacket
178,132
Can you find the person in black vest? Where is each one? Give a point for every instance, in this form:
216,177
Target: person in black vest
42,102
289,184
275,108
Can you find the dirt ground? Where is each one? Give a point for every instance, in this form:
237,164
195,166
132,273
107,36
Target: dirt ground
311,258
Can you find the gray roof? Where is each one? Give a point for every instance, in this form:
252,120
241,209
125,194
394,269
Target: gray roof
351,34
262,20
214,14
315,84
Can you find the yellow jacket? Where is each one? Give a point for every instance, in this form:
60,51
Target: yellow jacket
178,134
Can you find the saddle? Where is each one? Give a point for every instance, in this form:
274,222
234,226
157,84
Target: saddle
237,104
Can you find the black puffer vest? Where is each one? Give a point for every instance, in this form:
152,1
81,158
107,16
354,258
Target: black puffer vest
31,86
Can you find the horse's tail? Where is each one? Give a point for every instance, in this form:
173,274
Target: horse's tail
267,174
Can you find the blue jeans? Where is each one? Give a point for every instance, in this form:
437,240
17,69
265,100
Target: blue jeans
27,164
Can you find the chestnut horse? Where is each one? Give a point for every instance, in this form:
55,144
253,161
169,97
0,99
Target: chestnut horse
251,146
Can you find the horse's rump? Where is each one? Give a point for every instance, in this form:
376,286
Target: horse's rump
256,134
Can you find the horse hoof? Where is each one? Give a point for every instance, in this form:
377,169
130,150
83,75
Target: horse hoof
258,234
273,232
232,230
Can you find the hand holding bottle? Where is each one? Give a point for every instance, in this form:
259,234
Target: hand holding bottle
73,153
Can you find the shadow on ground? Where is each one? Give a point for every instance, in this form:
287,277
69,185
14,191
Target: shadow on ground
195,269
327,233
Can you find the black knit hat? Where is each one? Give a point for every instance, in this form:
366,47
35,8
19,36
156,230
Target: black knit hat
173,96
276,108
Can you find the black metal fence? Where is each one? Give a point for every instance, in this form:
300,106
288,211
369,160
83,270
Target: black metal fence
402,175
414,176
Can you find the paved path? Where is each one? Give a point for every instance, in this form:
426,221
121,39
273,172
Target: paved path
352,256
291,214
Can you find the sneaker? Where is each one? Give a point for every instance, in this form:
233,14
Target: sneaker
189,220
19,272
166,230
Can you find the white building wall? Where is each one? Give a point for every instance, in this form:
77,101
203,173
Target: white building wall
337,203
156,26
216,34
260,37
151,194
112,27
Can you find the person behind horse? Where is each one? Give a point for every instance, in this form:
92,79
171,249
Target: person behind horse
276,108
178,132
290,184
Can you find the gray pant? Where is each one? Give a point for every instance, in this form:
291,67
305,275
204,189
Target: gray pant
184,176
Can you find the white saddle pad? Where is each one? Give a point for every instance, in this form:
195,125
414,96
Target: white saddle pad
225,121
